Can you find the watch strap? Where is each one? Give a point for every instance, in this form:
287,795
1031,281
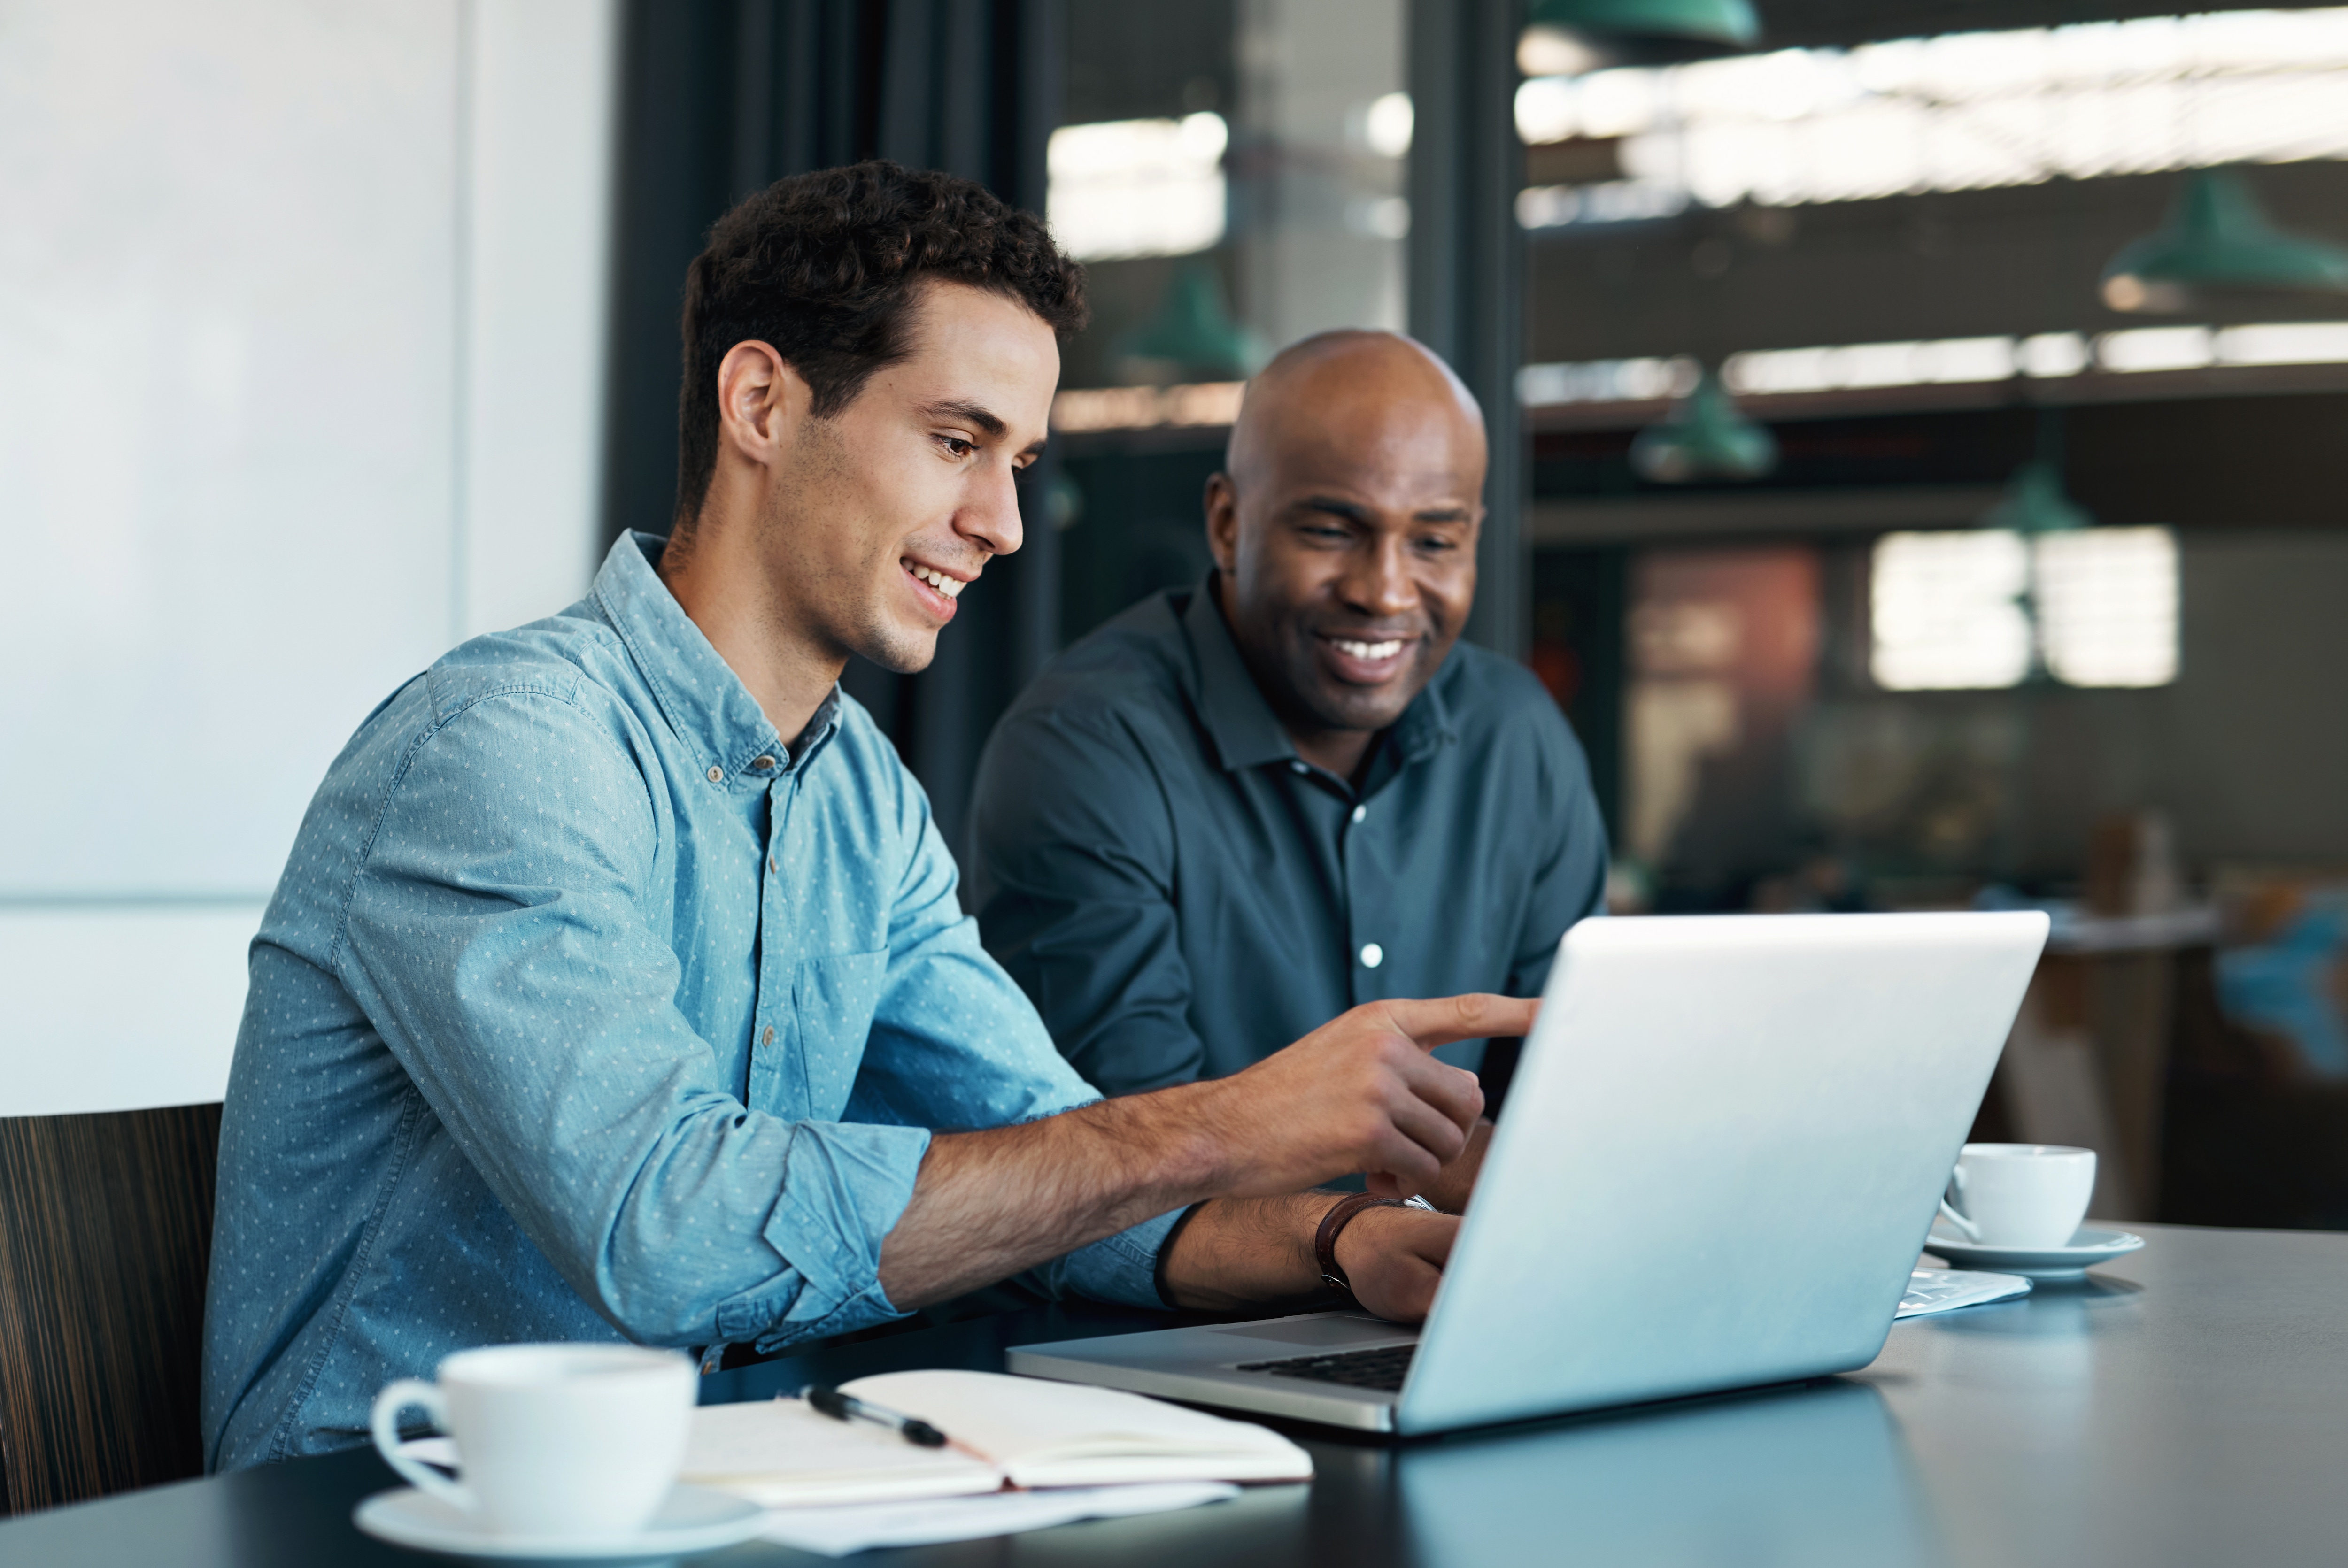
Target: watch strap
1324,1240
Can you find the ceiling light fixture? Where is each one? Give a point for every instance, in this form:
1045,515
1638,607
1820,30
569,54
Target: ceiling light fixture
1191,334
1568,37
2035,504
1707,436
2216,240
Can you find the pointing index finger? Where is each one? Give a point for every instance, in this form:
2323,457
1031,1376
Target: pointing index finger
1439,1020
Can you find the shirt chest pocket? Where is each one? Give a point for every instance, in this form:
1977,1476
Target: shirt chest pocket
810,1070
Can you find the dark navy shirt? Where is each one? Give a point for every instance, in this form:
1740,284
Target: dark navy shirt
1181,895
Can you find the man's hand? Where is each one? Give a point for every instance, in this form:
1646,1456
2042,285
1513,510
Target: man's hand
1258,1252
1450,1191
1359,1093
1394,1258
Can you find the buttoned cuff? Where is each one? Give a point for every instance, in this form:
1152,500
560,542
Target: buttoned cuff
845,1186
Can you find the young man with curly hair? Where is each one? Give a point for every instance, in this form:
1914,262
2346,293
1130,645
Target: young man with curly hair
617,984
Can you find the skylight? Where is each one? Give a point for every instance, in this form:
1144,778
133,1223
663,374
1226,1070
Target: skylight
1963,111
1941,362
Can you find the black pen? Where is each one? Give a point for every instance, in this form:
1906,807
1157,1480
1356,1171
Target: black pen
849,1408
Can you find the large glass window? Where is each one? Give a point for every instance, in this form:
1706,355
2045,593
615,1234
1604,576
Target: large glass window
1969,609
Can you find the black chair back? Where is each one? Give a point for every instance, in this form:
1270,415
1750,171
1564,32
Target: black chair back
105,1231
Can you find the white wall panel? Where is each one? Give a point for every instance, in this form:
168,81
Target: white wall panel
120,1008
538,259
302,313
226,299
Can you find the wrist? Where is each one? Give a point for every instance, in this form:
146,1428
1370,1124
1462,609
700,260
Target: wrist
1246,1252
1169,1138
1338,1222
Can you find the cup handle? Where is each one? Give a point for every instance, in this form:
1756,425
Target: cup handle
1971,1231
384,1424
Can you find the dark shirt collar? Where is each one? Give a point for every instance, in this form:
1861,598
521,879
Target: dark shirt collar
705,701
1246,732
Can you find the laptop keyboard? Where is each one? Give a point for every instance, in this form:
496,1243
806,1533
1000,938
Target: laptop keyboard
1382,1367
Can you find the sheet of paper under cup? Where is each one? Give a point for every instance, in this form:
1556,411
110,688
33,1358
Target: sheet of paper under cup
836,1532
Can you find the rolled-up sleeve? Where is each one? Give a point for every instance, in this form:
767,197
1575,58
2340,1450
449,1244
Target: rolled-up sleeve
495,938
955,1043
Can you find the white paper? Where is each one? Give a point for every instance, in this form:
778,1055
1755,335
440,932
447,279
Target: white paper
1050,1434
782,1453
836,1532
1930,1292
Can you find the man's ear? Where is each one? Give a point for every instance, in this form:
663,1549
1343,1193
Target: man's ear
1223,523
761,402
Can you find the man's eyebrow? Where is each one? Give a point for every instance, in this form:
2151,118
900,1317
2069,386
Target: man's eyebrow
969,414
1352,512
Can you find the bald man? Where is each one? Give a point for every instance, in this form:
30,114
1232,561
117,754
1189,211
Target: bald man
1235,811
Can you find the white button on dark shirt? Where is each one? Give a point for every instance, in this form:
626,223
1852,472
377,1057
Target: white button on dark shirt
1372,955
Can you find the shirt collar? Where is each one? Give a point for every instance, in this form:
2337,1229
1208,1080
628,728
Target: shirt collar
1246,732
698,692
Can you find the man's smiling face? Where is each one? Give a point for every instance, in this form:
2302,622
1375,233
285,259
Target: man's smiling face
1345,530
892,507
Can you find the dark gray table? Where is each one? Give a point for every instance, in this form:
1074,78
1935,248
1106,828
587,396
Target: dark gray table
2187,1406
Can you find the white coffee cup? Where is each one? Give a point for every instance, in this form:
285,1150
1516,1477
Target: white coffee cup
577,1442
2019,1194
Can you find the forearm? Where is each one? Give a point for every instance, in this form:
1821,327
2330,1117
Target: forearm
1360,1093
988,1204
1246,1252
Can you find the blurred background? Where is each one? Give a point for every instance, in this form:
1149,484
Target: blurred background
1923,475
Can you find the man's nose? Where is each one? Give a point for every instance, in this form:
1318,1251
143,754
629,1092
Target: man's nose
1377,580
989,519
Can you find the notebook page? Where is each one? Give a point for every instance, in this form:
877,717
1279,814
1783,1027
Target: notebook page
783,1454
1045,1433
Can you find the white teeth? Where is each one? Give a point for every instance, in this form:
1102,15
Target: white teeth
1371,651
950,587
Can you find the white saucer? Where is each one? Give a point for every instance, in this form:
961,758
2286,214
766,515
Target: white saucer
693,1518
2089,1246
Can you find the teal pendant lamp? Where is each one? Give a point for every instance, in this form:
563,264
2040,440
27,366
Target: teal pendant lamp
2034,504
1705,437
1574,35
2217,241
1191,335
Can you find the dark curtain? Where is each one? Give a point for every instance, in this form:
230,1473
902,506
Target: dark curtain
719,98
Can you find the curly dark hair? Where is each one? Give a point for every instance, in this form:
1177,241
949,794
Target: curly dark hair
826,267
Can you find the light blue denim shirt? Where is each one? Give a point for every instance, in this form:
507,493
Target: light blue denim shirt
586,1009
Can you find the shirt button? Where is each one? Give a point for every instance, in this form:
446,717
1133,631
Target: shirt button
1360,812
773,864
769,1037
1299,768
1372,955
718,775
762,762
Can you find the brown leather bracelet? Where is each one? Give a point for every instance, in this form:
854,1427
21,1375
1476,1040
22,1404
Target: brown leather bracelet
1324,1240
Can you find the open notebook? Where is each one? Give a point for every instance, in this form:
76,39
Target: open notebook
1021,1431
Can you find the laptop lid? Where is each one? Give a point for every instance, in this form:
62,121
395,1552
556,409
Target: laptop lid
1722,1151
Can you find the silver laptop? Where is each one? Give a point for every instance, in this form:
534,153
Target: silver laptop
1722,1151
